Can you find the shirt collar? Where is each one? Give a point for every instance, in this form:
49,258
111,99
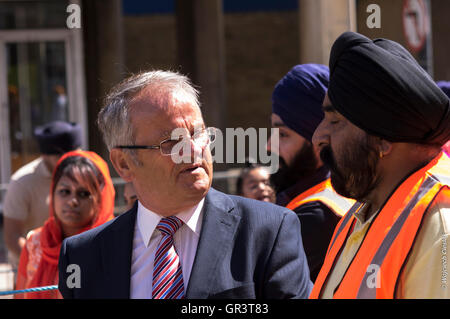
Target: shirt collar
361,214
147,220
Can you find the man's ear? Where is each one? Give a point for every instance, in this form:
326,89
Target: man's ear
385,147
121,162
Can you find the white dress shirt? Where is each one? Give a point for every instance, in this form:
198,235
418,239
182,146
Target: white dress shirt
146,240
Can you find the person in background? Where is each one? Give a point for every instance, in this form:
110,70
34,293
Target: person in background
26,203
254,182
302,183
385,123
60,103
81,198
445,87
129,195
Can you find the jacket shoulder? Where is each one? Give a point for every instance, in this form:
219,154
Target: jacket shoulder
122,221
255,209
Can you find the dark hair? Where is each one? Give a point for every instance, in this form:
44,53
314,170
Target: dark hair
83,171
244,172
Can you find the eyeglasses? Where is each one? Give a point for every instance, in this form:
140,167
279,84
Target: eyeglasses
167,147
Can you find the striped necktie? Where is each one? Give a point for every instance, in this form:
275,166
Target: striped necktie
167,275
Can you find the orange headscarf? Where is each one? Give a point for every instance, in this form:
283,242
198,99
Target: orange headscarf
51,236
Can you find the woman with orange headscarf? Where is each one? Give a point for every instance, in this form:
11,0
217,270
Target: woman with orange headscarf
81,198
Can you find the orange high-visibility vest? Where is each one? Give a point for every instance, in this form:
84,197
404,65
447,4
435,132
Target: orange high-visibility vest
375,270
324,193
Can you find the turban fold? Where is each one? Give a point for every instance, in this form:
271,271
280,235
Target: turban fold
379,87
58,137
298,96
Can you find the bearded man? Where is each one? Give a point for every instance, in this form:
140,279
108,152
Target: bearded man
302,182
385,123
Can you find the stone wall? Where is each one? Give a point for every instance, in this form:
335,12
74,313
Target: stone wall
260,48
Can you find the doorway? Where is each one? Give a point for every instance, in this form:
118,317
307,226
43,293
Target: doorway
41,79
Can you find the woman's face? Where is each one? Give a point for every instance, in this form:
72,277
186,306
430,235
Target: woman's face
74,205
256,186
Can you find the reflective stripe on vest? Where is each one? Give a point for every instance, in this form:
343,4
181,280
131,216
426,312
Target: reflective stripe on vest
368,291
340,234
324,193
374,271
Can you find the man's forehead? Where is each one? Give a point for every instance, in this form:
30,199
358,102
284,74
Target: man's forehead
327,106
159,123
183,128
151,101
158,96
276,120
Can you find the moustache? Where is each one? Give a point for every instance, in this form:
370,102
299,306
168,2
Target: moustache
327,157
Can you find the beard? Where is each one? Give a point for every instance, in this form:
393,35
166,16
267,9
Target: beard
355,175
303,164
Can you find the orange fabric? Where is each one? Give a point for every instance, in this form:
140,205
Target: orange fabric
308,196
293,204
390,268
331,255
51,235
398,251
30,257
328,202
396,256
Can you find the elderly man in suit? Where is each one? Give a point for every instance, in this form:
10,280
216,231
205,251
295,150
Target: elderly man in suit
183,239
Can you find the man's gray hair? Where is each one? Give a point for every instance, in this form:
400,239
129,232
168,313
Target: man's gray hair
113,119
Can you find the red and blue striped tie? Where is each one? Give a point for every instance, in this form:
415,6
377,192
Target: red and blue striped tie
167,275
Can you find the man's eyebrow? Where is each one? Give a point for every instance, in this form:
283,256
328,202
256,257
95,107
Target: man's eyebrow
328,108
164,135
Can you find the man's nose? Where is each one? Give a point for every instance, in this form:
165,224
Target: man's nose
196,151
321,135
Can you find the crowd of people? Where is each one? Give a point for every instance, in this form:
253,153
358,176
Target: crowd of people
359,208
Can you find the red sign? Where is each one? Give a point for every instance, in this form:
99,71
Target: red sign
415,23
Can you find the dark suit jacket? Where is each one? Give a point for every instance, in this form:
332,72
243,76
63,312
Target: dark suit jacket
247,249
317,219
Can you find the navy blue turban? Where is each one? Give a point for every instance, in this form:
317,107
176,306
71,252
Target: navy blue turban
379,87
445,87
58,137
298,96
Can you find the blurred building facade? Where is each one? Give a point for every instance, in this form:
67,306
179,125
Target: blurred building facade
234,51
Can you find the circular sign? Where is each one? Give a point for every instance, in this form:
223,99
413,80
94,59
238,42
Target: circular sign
415,23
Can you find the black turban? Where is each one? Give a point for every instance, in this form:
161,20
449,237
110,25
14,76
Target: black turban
379,87
58,137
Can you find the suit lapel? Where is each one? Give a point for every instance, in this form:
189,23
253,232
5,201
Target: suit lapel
218,229
117,248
